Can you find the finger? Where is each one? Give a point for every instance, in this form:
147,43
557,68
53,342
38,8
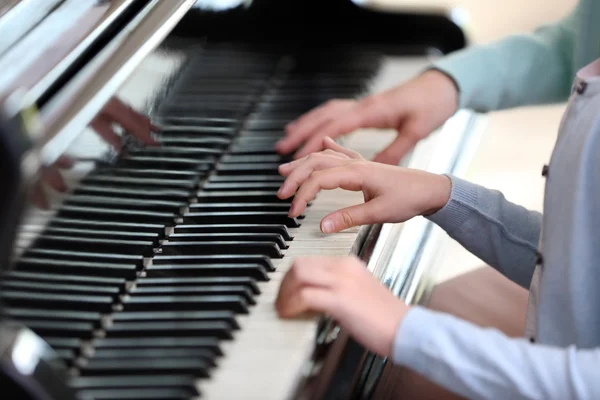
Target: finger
65,162
396,150
305,126
314,162
132,121
38,197
330,144
106,132
343,124
305,300
361,214
286,169
333,178
54,179
313,271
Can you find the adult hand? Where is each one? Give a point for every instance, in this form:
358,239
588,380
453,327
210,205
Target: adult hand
343,288
413,109
115,112
392,194
133,122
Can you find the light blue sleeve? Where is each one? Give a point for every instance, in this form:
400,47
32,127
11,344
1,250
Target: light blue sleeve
501,233
485,364
519,70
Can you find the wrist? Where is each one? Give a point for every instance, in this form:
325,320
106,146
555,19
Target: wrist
445,87
397,316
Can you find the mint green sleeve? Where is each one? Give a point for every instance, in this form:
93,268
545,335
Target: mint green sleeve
519,70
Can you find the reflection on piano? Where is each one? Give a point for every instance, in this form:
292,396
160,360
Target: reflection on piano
155,276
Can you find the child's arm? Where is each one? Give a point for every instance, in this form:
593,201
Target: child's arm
501,233
518,70
485,364
471,361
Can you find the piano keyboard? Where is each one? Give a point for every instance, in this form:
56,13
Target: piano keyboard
155,277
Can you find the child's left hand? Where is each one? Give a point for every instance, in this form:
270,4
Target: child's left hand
343,288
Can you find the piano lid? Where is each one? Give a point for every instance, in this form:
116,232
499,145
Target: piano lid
323,22
69,59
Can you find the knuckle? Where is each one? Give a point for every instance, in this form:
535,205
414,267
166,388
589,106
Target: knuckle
347,218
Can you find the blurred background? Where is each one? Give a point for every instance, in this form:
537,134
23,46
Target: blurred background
516,143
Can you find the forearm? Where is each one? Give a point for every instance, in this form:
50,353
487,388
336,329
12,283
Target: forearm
518,70
501,233
484,364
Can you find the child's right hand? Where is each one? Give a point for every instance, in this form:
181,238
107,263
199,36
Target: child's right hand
414,109
392,194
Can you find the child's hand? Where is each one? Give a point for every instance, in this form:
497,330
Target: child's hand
343,288
414,109
392,194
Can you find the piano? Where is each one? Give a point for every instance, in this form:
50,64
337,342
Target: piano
154,276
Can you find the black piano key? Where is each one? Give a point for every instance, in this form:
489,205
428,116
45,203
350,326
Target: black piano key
139,193
235,228
166,342
87,256
223,207
202,290
135,161
241,186
112,234
153,316
122,246
60,288
134,181
237,159
270,249
258,196
255,271
169,206
135,382
83,330
64,343
55,315
220,259
148,172
57,301
66,354
207,237
158,229
197,303
242,217
219,329
237,169
197,130
188,140
246,178
117,214
205,354
205,154
137,393
57,277
79,267
168,123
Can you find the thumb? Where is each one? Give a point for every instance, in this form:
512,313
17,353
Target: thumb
361,214
396,150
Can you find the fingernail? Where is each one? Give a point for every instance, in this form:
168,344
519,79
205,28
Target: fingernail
282,189
327,226
285,165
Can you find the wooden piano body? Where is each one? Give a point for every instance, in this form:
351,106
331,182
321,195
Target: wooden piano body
221,84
